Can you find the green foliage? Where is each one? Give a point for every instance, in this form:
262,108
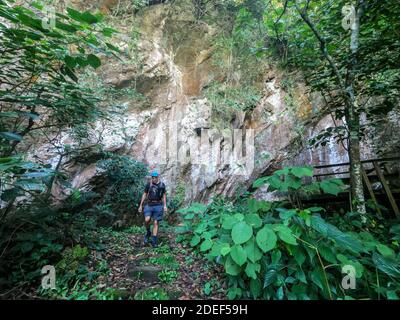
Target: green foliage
164,259
36,232
241,71
72,258
41,90
134,230
167,276
225,99
152,294
291,180
179,198
272,252
39,66
20,176
292,41
79,283
125,185
211,286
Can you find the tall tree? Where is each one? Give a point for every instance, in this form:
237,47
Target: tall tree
350,59
41,55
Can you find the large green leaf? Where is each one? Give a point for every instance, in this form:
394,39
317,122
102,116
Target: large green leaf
286,214
317,278
260,182
206,245
386,265
216,249
332,186
253,251
264,205
94,61
231,267
302,171
225,249
298,255
255,288
385,251
66,27
253,219
195,241
270,277
252,269
238,254
291,182
108,32
266,239
241,232
85,17
327,253
344,240
285,234
228,222
300,275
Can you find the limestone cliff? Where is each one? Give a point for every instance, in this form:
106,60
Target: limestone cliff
170,66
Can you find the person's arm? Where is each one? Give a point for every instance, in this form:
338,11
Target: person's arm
141,202
146,190
165,201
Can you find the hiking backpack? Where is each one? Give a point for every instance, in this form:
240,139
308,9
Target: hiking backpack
155,192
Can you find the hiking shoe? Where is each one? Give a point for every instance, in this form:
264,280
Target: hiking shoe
154,242
146,238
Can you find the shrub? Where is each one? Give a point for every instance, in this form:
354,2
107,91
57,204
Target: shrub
271,252
167,276
72,258
152,294
125,185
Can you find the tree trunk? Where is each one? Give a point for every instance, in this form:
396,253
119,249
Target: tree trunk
356,182
352,112
353,119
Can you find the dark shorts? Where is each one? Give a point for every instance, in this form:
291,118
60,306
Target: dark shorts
155,212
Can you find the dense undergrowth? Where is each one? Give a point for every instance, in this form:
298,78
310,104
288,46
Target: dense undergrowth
39,233
274,250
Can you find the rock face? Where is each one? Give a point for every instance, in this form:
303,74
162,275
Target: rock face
173,131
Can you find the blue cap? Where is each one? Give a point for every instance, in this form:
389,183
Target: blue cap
154,173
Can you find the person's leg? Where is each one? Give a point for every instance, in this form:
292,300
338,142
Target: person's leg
155,231
155,228
157,218
147,221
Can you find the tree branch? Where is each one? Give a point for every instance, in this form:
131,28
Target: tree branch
322,42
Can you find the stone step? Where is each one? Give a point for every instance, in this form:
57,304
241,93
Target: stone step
148,274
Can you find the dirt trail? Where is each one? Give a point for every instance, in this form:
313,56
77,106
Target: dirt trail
170,271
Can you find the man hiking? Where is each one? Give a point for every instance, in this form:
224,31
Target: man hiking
156,206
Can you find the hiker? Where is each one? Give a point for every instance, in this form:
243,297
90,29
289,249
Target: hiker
156,206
